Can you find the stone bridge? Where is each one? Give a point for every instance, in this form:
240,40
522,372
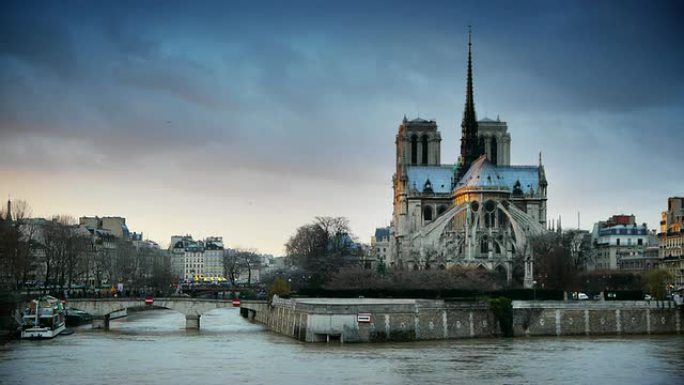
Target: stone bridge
192,308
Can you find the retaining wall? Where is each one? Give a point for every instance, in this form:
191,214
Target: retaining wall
559,318
369,319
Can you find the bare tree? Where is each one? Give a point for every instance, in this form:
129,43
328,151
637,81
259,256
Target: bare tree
17,245
53,237
232,268
161,277
559,258
250,261
124,263
322,247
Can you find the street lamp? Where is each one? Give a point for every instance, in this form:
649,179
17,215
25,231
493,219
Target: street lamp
534,290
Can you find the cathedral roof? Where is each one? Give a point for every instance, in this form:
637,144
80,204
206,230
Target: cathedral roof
420,120
528,176
482,173
440,177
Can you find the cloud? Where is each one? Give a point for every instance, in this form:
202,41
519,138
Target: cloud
295,97
38,39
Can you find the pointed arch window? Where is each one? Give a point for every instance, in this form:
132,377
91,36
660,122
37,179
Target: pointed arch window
414,149
493,151
424,142
427,213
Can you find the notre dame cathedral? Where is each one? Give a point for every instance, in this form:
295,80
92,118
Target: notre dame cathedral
479,212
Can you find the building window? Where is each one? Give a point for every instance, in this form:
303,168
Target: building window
425,149
484,246
493,151
414,149
640,242
617,241
427,213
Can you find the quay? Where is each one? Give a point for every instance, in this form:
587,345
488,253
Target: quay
380,319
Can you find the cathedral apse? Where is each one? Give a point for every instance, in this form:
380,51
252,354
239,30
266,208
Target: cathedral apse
479,212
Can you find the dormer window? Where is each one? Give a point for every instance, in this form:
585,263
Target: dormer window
427,188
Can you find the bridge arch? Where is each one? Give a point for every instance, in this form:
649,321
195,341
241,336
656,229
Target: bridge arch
192,308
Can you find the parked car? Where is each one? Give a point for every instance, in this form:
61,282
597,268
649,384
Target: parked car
582,296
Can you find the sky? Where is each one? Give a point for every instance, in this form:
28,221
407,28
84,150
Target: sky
247,119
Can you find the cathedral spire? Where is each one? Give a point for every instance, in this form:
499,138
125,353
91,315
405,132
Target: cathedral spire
470,149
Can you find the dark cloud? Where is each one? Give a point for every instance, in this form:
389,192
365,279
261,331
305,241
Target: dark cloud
38,39
604,57
315,90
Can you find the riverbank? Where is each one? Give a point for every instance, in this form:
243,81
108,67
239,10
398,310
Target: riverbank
9,308
372,320
155,348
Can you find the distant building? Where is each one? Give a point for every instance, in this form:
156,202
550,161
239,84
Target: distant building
380,245
619,243
115,225
190,258
213,257
671,239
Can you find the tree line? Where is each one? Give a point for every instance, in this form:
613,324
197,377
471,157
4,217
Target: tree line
56,254
322,254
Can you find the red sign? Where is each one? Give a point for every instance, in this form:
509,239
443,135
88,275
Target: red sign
149,300
236,302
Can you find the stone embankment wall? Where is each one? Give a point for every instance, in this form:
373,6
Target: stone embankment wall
320,320
559,318
368,320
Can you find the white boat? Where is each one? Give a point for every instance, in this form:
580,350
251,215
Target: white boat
44,318
678,296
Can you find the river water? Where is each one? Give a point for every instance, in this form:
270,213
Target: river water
154,348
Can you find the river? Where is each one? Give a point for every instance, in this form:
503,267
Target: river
154,348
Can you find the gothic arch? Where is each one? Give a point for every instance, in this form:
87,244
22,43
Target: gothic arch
484,245
424,144
414,149
427,213
501,272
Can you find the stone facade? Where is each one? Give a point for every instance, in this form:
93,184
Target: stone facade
191,259
621,243
671,240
